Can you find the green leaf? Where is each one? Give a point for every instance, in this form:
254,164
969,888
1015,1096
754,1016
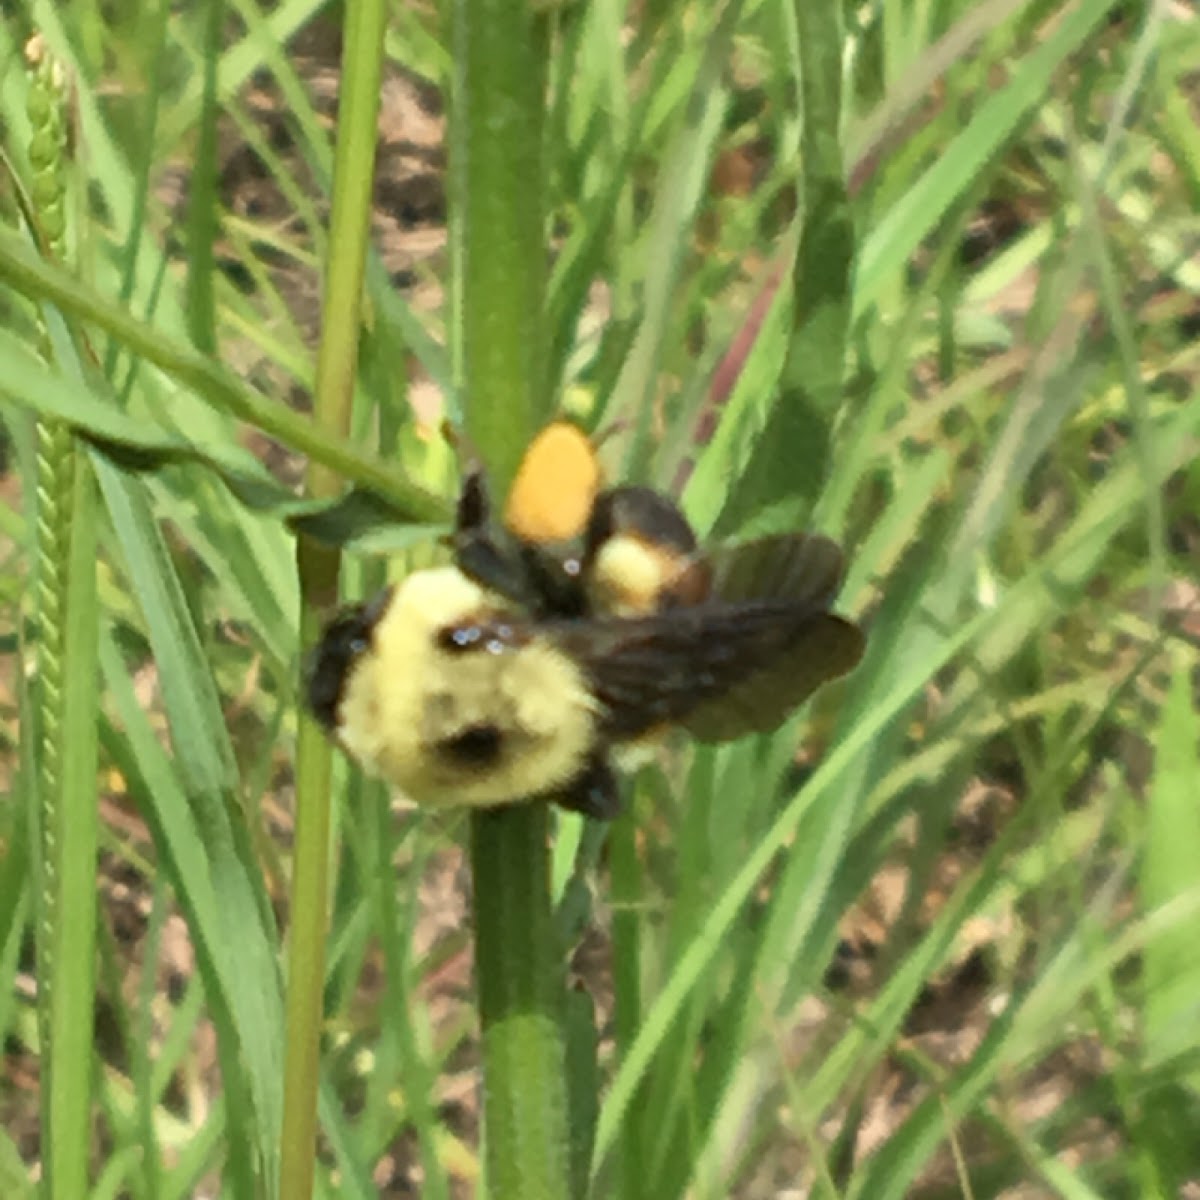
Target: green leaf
1171,965
243,943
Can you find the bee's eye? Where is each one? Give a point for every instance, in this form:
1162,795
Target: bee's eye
358,646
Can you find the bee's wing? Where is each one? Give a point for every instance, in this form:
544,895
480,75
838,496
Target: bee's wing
718,669
821,650
802,569
804,572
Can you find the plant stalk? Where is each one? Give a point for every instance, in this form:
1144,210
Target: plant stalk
318,566
500,49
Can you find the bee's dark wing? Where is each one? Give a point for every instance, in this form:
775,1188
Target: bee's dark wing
799,568
826,647
804,572
720,670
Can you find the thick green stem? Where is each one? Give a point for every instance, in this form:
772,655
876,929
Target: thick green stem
500,52
518,962
499,105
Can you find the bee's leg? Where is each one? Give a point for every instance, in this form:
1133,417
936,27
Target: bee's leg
594,792
480,559
477,554
528,575
474,504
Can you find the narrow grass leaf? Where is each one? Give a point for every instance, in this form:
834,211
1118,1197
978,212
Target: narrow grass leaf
156,780
790,458
1171,965
201,743
910,218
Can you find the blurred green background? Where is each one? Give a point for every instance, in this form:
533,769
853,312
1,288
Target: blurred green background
937,936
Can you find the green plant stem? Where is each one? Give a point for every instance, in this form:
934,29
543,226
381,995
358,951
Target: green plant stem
202,219
66,791
500,52
55,481
518,963
497,181
65,814
318,567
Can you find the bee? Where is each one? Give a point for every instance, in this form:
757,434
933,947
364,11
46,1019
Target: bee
589,622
